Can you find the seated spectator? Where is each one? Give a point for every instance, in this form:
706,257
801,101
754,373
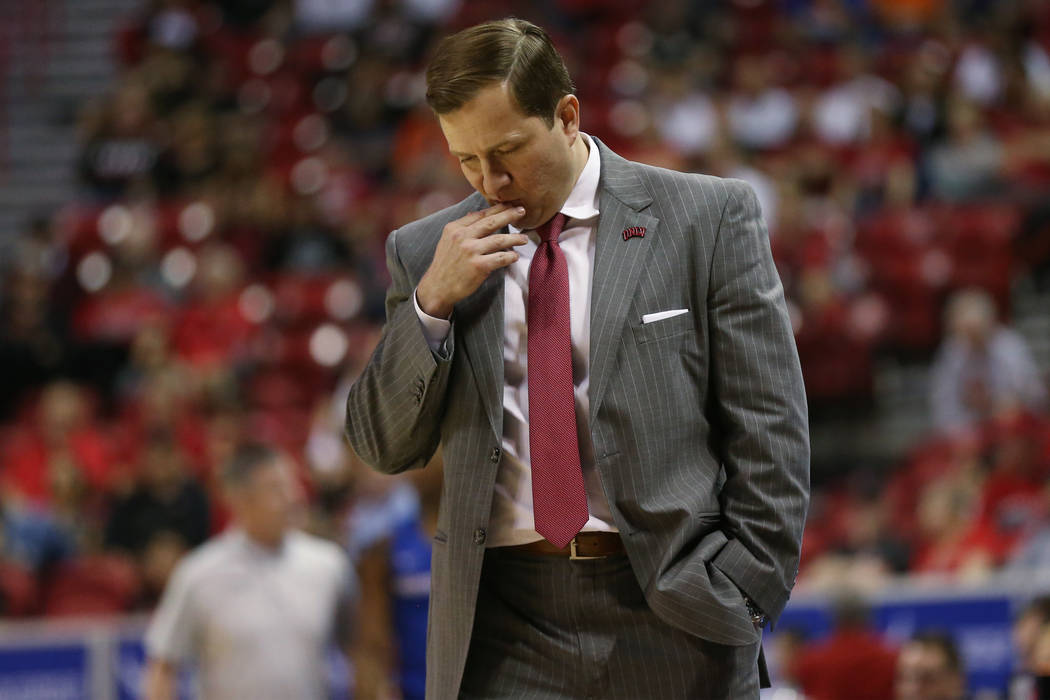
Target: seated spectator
760,115
32,537
833,668
982,369
929,668
165,499
63,433
953,540
1029,631
121,147
968,163
1033,553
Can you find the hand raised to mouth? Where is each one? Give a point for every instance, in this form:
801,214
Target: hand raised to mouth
469,251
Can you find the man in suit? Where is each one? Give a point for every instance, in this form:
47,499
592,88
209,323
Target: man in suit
603,353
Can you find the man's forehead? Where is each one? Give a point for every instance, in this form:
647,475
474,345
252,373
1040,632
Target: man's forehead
485,122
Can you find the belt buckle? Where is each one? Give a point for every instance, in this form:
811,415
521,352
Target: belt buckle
573,556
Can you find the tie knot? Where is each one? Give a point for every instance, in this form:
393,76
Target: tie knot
552,229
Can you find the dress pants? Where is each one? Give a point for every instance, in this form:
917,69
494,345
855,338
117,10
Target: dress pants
547,628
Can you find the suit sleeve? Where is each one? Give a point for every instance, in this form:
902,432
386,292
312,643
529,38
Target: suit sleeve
760,412
393,410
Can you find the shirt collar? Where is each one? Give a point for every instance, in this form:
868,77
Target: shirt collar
582,202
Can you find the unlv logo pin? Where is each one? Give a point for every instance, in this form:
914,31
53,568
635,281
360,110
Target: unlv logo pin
634,231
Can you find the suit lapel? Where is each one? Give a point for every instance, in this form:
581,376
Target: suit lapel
617,264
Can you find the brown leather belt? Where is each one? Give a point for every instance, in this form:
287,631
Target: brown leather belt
586,545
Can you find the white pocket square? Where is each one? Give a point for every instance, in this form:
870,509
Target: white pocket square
661,315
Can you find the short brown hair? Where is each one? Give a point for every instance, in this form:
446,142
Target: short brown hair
506,50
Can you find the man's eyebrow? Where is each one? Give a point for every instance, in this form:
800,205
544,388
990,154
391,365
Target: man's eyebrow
509,141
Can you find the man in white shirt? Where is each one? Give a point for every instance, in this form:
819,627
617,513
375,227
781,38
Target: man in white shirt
605,358
255,608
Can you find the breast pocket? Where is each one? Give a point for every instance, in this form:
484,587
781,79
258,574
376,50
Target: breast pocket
664,328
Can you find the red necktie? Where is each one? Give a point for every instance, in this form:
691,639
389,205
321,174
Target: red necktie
559,501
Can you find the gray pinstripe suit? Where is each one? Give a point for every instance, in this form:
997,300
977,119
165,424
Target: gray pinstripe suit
698,421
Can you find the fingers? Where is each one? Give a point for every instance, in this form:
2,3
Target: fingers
494,261
494,221
499,241
480,214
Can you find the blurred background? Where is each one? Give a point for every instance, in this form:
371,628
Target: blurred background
194,196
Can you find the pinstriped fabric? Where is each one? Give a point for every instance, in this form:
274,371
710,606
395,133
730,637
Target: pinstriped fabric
698,421
553,629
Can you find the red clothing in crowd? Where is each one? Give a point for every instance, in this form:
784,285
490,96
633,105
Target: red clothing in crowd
27,459
852,664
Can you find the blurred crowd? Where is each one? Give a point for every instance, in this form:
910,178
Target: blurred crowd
221,275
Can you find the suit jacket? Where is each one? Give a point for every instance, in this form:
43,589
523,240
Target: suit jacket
699,421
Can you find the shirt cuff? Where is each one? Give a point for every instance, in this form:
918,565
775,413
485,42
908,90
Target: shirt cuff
435,330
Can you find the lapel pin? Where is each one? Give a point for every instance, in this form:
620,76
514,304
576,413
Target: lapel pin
634,231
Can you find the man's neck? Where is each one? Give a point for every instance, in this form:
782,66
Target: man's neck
581,150
264,542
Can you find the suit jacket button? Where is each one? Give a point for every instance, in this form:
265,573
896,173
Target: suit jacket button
494,457
479,536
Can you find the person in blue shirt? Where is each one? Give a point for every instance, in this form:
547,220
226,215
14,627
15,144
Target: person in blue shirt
395,593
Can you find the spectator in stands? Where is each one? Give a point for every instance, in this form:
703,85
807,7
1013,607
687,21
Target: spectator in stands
1029,629
953,540
929,668
33,345
967,164
32,537
982,369
165,499
63,444
257,606
1032,556
121,142
761,114
833,669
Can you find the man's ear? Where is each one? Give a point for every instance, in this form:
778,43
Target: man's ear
567,116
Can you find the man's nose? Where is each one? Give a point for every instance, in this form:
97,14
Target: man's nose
494,179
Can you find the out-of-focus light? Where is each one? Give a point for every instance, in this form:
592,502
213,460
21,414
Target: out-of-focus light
936,268
343,300
310,133
114,225
338,53
196,221
868,316
253,96
433,202
629,117
328,345
405,89
265,57
256,303
94,271
634,39
178,267
330,94
325,452
309,175
629,78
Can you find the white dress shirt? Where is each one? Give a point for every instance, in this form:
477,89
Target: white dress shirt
512,521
